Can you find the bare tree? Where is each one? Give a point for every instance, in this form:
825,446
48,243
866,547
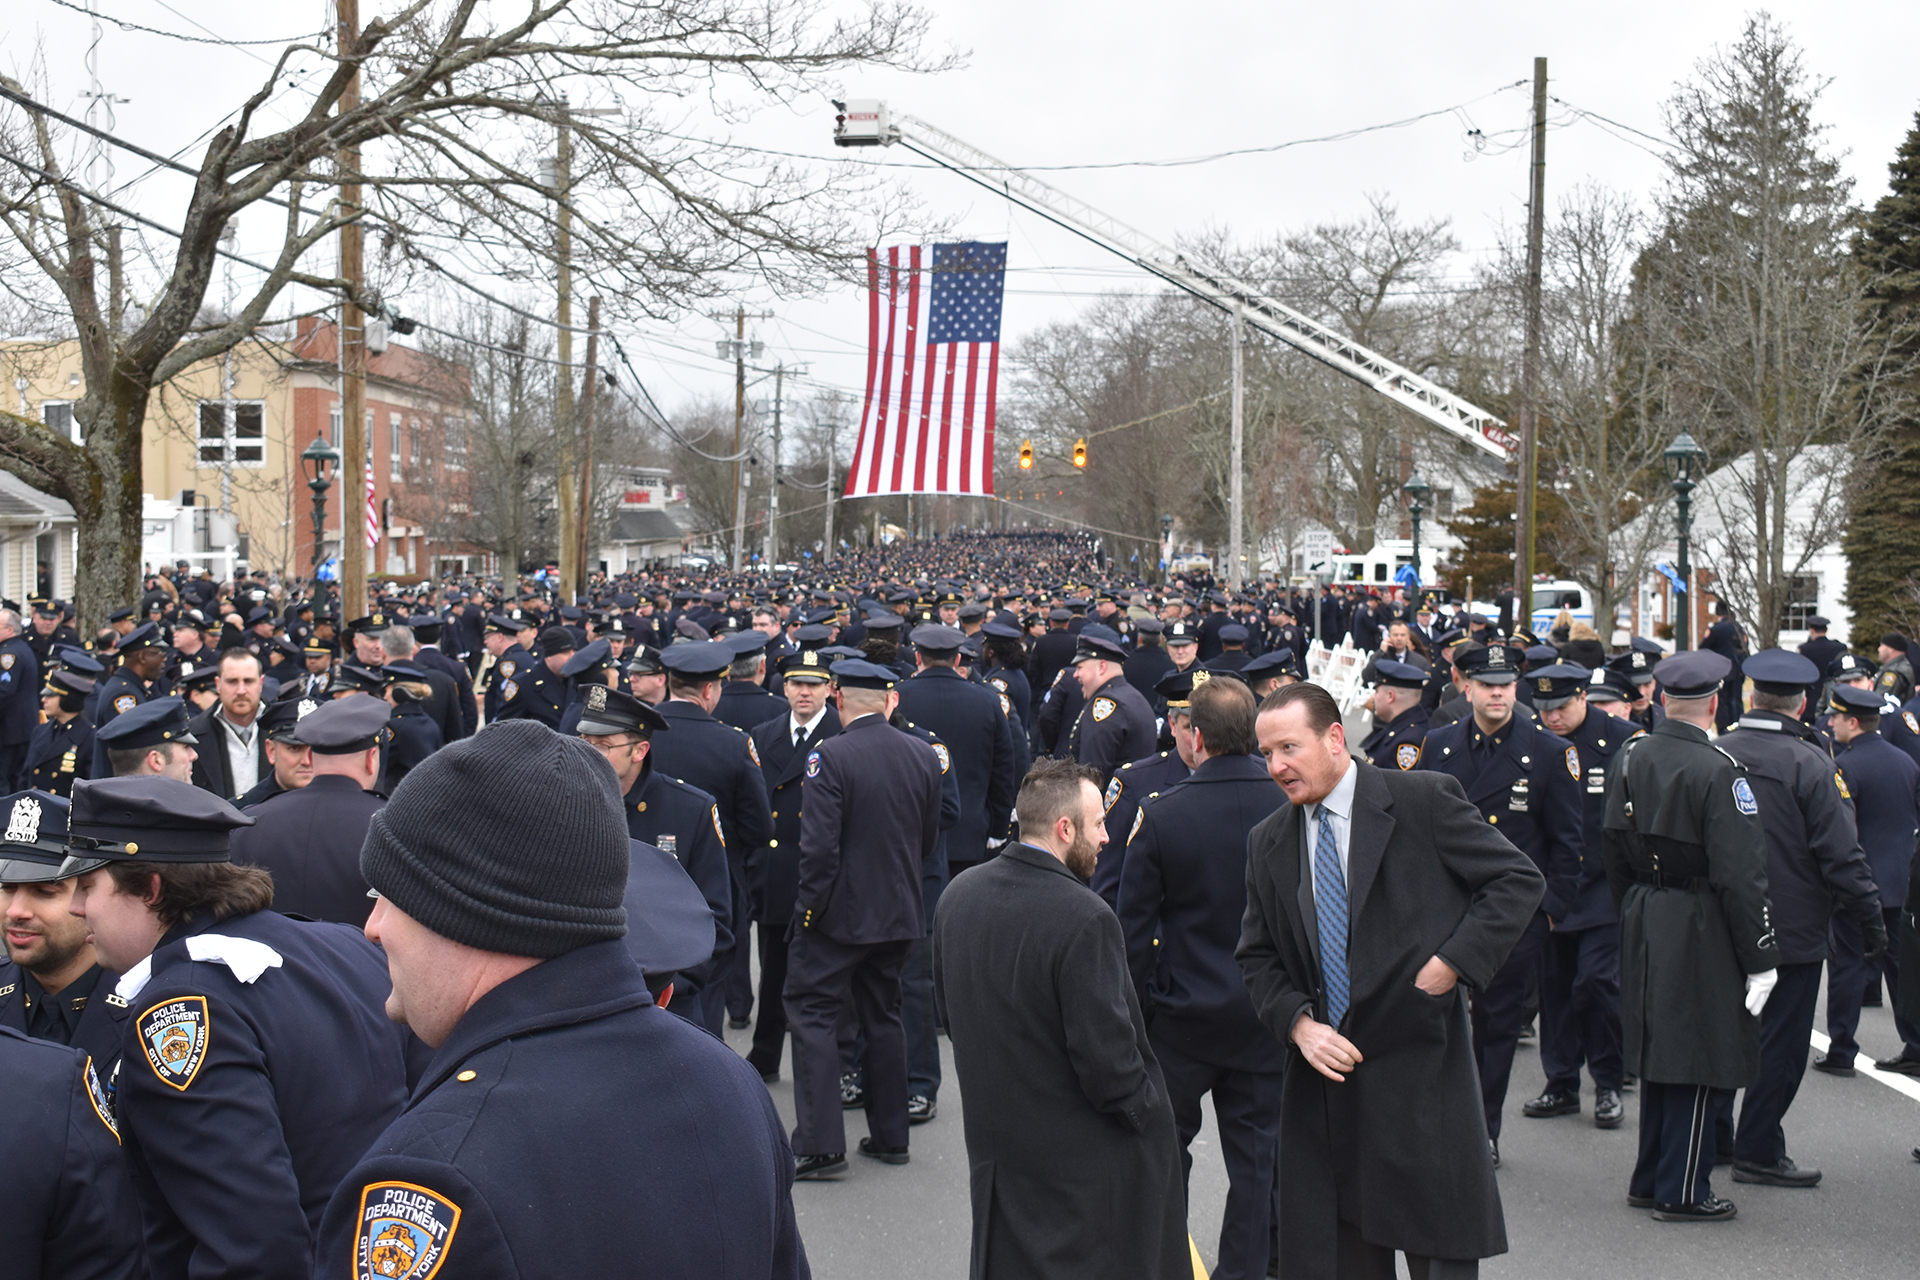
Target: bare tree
457,106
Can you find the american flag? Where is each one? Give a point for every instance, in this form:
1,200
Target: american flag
933,365
373,512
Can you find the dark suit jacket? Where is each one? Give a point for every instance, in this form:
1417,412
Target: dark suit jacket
1399,1149
773,873
969,720
466,710
212,771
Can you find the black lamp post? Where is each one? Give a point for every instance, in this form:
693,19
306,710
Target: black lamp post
1685,459
319,459
1417,491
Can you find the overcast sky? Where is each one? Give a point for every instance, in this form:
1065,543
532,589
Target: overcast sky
1051,83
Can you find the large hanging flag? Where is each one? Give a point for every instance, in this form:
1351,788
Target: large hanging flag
933,366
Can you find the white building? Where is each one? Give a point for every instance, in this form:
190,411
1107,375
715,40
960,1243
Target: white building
644,527
37,539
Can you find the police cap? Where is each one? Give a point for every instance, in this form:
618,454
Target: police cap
1779,672
1097,643
118,615
1182,632
883,622
698,660
609,711
372,622
1400,675
855,673
351,677
150,817
1692,673
61,682
971,610
596,654
1146,627
1851,666
1636,665
744,644
501,624
343,726
1609,685
1541,655
200,679
1489,664
1219,669
645,662
806,666
1279,662
669,923
151,724
315,647
1233,633
1557,684
1176,687
35,841
1000,630
144,636
79,660
1848,700
278,717
1818,623
935,638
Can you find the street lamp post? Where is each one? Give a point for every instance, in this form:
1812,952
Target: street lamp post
1685,459
319,459
1417,491
1166,546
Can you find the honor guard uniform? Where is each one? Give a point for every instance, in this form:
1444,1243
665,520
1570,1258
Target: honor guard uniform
510,667
723,762
62,746
1395,743
681,821
1686,859
84,1013
1526,782
71,1213
258,1064
1580,979
1116,725
123,690
1137,781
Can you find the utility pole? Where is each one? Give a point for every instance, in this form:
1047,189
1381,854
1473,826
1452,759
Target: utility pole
1525,533
589,394
354,445
1235,550
833,431
773,486
739,420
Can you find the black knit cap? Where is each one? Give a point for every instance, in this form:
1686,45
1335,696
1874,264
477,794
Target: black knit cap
510,841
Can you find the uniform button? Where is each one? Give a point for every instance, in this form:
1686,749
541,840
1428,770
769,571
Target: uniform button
1526,759
641,807
773,844
466,1076
776,813
1494,818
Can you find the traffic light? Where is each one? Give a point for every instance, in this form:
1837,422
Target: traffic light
1026,455
1080,452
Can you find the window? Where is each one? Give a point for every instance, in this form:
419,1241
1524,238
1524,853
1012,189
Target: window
413,443
1443,504
393,444
456,444
1803,601
58,415
333,427
232,431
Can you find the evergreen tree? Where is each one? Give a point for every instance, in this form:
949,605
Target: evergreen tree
1883,538
1485,530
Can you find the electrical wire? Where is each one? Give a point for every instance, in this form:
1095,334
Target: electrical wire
124,25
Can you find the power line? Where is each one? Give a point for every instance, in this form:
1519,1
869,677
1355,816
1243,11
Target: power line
175,35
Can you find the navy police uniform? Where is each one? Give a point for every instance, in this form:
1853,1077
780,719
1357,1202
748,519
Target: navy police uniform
1395,744
1526,783
470,1177
119,693
61,750
19,706
684,822
1116,725
972,722
1132,784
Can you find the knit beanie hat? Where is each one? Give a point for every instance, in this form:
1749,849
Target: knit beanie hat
512,840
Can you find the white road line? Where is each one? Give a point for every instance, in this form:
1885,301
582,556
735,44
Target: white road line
1902,1084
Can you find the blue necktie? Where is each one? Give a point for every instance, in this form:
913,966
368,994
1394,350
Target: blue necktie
1330,906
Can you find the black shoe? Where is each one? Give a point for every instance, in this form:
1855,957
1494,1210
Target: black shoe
1916,1153
1493,1149
1824,1062
1784,1174
852,1096
824,1164
737,1024
888,1155
920,1110
1527,1033
1639,1202
1712,1209
1554,1102
1608,1109
1872,998
1899,1064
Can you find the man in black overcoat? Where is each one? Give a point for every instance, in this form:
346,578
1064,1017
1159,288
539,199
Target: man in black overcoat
1387,1147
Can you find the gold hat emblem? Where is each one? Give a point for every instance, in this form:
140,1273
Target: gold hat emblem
1201,677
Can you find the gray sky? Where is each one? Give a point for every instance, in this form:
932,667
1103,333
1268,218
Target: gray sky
1050,83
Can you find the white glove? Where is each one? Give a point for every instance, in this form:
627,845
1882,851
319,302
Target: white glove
1759,987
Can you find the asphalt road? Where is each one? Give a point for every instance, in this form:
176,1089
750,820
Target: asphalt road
1563,1184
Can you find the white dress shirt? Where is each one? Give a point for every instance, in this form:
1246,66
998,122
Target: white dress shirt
796,726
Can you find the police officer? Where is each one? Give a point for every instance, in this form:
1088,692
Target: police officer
773,875
427,630
258,1062
1526,782
1881,780
743,702
1116,725
681,821
1005,671
1274,668
872,821
141,656
1684,858
1580,976
540,692
1820,649
152,738
1136,781
47,632
62,745
1815,872
646,677
52,986
317,656
723,762
511,663
972,721
1400,722
290,762
542,1001
591,664
415,733
310,838
1183,893
1149,660
19,698
1637,665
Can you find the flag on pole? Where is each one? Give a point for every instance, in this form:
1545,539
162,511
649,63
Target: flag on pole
373,512
933,366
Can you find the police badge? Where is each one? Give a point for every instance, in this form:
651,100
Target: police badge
597,697
23,824
1406,755
404,1232
174,1036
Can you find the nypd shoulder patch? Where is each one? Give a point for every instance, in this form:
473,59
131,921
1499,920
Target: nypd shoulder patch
1743,797
174,1035
1913,725
1406,755
1840,781
753,753
1139,816
508,667
813,764
719,830
946,760
404,1232
102,1101
1102,708
508,690
1573,764
1113,792
125,703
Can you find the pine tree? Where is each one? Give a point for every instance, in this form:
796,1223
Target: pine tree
1882,541
1485,530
